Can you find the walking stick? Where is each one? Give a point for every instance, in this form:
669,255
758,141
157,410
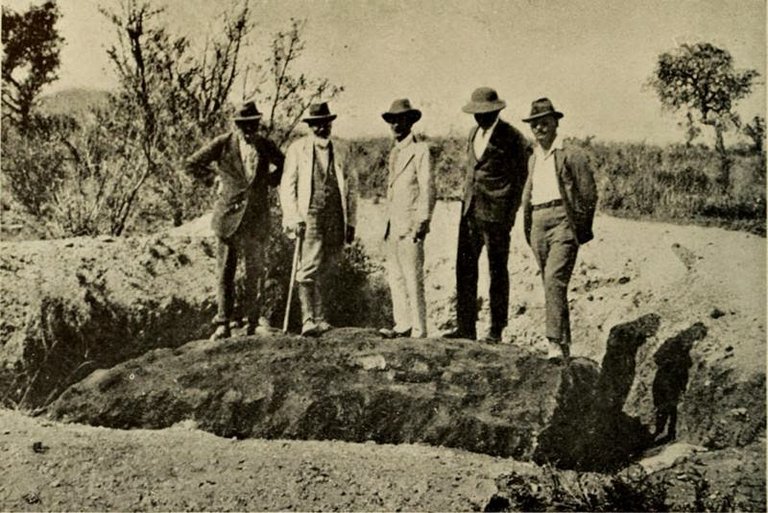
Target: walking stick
294,267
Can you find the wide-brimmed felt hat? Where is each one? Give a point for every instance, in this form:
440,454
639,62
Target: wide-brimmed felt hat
484,99
541,108
319,112
401,107
248,112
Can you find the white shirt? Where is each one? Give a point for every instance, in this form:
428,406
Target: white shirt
322,151
544,185
481,139
249,155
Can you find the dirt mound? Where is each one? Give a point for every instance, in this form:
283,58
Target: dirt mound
73,305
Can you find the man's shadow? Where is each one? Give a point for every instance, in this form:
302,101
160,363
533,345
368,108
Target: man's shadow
597,434
673,361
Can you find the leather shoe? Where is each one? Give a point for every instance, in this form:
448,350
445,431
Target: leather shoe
388,333
222,332
459,334
261,328
323,326
558,351
309,329
493,337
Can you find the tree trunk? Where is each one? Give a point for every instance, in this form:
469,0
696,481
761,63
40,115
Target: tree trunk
724,177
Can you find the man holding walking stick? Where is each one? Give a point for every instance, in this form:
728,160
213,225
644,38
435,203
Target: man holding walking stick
318,196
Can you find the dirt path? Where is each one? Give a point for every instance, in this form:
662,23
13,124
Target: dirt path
83,468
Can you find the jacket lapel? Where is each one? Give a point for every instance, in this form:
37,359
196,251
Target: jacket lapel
492,142
338,167
407,156
235,149
559,167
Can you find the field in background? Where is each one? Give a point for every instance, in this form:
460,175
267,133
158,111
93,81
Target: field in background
635,180
674,183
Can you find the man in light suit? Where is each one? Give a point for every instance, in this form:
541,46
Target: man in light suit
559,202
247,164
497,155
411,199
318,196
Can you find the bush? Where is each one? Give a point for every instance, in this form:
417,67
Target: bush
673,183
359,296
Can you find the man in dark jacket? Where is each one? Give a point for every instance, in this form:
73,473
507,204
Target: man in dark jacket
497,154
559,203
247,164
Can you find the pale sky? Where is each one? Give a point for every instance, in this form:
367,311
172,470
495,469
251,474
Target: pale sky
591,58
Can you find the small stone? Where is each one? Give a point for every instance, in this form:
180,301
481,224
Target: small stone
590,297
55,484
716,313
39,447
31,497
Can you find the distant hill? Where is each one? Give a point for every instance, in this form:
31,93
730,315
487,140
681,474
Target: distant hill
74,102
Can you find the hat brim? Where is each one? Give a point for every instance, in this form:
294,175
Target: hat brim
248,118
554,113
414,114
483,107
317,119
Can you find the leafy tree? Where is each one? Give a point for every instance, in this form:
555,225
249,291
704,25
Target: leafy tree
700,80
31,46
755,130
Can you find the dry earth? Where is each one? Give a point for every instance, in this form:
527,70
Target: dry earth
683,274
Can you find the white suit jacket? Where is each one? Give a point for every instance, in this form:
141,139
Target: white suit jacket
410,189
296,184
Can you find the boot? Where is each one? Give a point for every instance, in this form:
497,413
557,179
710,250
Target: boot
308,326
320,318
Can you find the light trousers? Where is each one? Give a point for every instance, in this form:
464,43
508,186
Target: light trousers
555,248
405,270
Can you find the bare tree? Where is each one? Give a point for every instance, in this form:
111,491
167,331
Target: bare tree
286,92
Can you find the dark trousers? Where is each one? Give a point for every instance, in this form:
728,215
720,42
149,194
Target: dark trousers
473,235
248,245
555,248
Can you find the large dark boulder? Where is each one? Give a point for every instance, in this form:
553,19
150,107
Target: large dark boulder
348,385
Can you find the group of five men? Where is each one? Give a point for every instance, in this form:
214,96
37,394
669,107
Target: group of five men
318,197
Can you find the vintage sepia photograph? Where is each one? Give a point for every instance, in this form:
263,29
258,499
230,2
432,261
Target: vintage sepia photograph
383,255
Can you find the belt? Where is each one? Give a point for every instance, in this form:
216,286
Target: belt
548,204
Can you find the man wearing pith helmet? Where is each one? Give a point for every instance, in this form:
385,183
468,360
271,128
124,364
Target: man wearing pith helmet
318,196
247,164
410,201
559,202
496,169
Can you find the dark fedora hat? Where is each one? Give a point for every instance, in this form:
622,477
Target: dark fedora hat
248,112
541,108
319,112
401,107
484,99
